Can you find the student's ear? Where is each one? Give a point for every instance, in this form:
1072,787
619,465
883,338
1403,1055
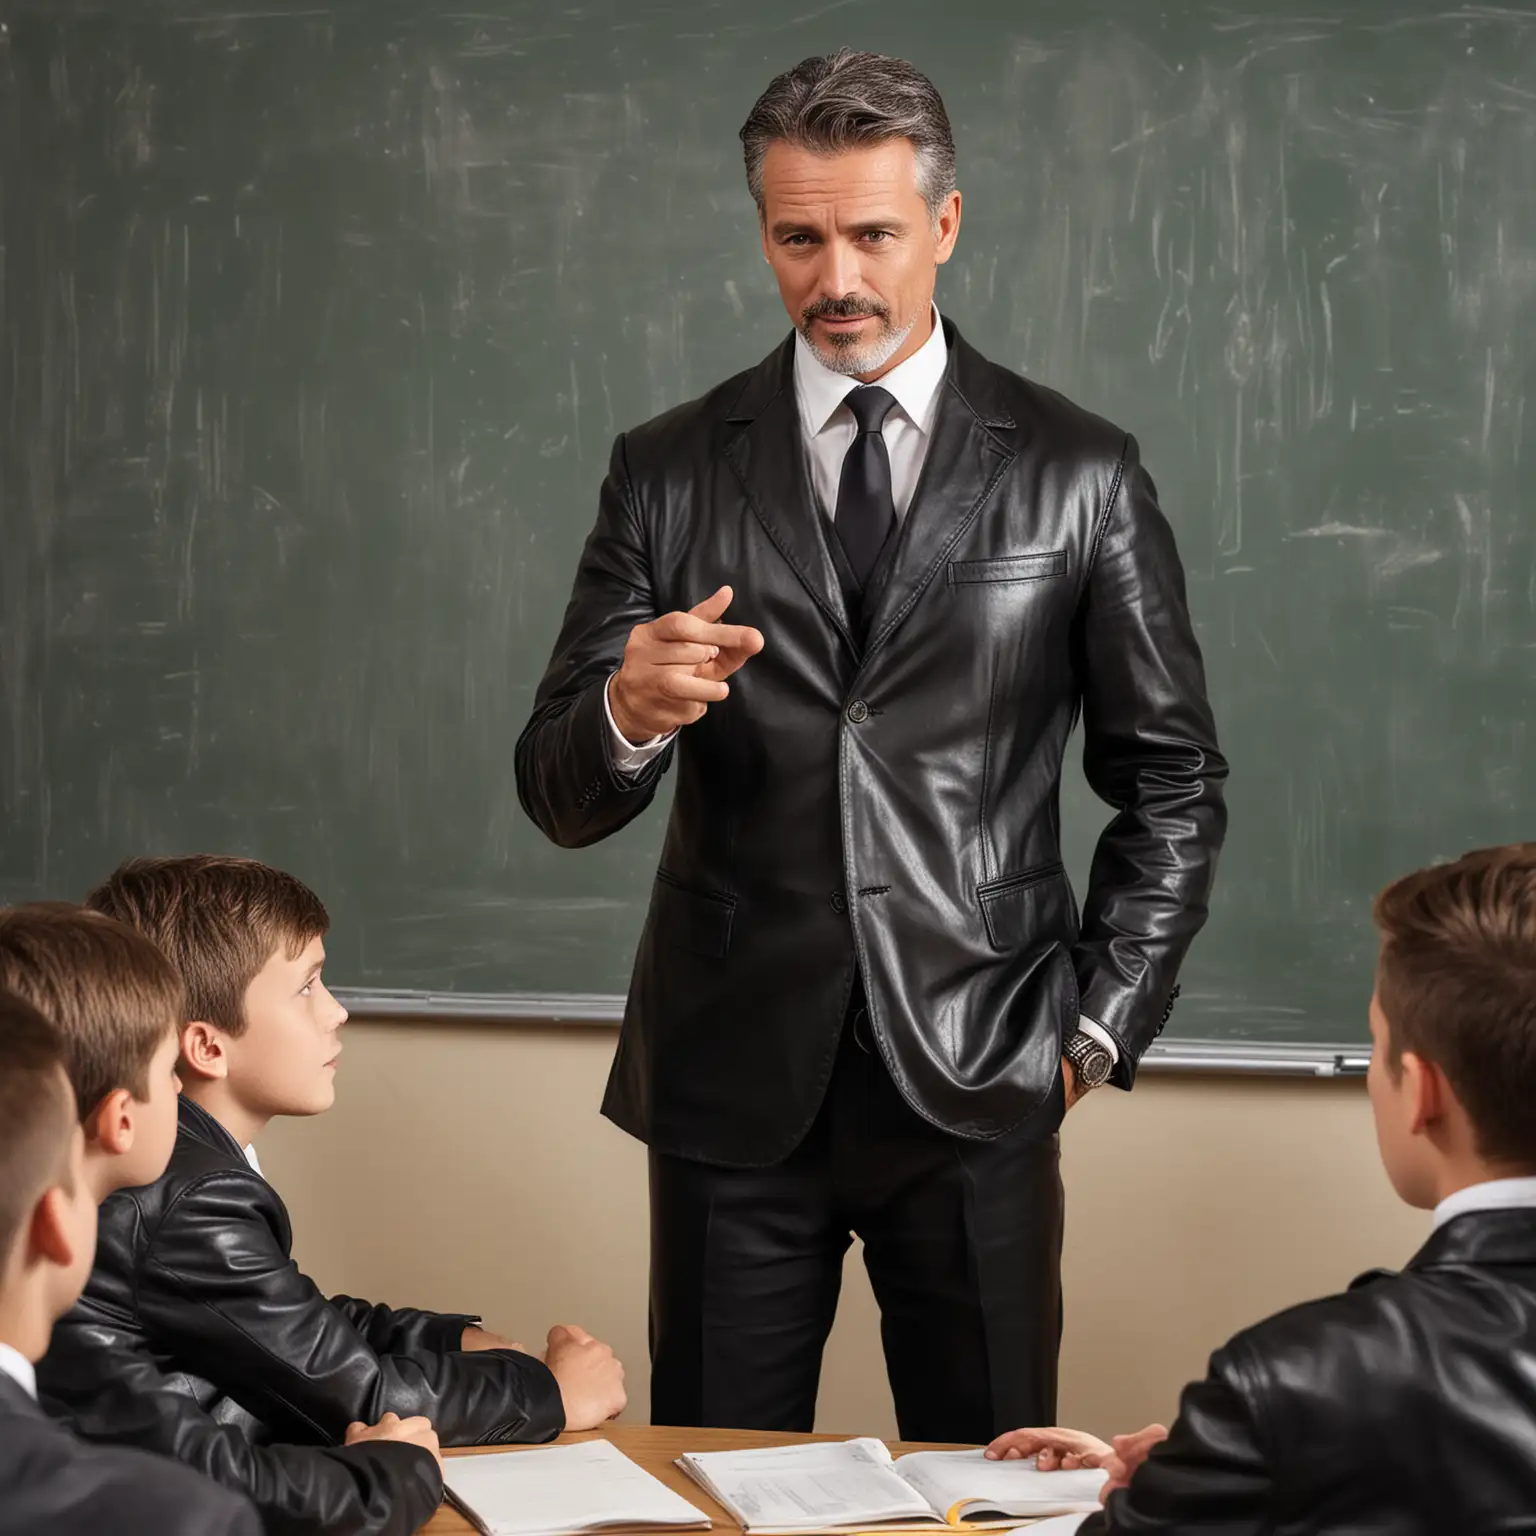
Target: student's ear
110,1124
1426,1092
202,1052
49,1234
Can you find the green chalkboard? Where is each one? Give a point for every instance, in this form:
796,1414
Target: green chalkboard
317,322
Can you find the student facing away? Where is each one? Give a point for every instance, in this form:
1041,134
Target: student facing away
1407,1404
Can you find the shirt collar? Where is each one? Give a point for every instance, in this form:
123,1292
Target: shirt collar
16,1365
251,1158
914,383
1493,1195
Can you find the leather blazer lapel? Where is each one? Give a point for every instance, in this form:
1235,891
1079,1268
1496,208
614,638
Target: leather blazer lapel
767,453
963,465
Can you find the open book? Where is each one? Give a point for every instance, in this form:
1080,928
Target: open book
854,1485
561,1490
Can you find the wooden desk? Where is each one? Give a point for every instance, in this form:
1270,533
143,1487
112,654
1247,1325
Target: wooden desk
656,1450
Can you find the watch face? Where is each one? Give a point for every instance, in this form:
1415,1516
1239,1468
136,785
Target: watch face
1094,1071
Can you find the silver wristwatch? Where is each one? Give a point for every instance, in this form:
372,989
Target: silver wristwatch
1090,1061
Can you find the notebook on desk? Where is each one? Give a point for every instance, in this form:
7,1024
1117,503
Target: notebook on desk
563,1490
855,1485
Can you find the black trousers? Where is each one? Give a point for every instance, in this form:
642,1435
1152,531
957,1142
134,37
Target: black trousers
962,1242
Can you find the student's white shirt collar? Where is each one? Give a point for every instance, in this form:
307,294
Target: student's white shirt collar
1495,1195
250,1157
914,383
19,1369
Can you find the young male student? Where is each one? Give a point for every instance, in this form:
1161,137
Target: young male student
49,1481
197,1266
1408,1404
116,1005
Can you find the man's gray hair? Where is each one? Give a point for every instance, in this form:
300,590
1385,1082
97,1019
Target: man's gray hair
845,100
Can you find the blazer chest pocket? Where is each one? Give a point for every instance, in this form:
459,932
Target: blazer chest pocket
696,920
1031,567
1034,907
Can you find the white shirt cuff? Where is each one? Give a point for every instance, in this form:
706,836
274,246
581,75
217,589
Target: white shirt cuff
1094,1029
627,757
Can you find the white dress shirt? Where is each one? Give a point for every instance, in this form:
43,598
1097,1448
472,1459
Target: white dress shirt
828,429
16,1365
1494,1195
251,1158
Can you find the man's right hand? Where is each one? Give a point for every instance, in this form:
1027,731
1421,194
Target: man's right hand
675,667
590,1378
412,1431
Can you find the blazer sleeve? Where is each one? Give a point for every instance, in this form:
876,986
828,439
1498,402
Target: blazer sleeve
1149,750
53,1482
374,1489
239,1312
567,778
405,1330
1212,1474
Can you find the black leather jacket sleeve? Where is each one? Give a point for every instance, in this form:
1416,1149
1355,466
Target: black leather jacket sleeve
1210,1477
404,1330
240,1310
566,779
373,1489
1149,750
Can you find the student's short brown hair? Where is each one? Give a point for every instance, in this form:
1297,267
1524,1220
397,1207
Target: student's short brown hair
219,919
110,994
1457,983
37,1115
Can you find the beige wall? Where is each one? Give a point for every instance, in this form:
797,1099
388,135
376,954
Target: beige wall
468,1168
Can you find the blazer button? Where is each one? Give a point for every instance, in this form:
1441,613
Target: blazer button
858,712
839,902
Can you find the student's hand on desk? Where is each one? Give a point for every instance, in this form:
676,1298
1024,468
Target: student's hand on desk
589,1376
1054,1450
675,667
413,1431
482,1338
1129,1453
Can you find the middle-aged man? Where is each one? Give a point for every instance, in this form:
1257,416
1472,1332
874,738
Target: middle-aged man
864,997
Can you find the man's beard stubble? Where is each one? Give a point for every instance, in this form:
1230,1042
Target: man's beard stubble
852,355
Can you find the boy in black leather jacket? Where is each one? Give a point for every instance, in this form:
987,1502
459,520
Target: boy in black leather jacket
194,1271
49,1480
118,1006
1408,1404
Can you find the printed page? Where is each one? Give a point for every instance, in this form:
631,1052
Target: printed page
969,1487
564,1488
808,1487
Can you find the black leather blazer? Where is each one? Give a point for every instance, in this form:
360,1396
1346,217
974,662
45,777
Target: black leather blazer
52,1484
880,791
199,1337
1405,1407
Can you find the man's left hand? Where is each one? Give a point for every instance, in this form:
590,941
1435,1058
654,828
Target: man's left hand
1069,1082
482,1338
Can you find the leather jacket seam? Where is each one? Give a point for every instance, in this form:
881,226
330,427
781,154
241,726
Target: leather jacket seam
1110,503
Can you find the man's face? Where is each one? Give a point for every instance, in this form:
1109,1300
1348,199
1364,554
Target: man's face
285,1062
855,250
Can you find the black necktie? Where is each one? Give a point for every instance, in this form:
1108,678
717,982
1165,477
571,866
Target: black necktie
866,511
